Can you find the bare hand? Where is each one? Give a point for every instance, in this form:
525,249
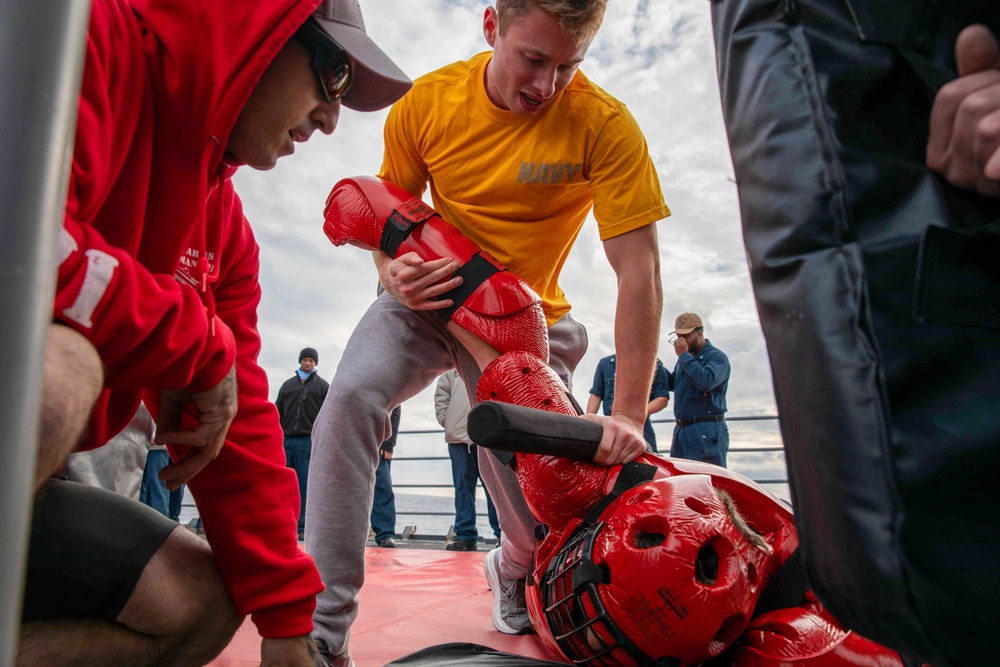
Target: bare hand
622,440
216,410
680,345
964,141
290,652
417,283
386,454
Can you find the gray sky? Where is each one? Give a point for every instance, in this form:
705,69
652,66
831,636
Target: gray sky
661,63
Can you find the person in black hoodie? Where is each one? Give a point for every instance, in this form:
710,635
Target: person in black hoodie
299,401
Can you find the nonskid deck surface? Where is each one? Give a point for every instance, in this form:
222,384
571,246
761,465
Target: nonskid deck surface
412,599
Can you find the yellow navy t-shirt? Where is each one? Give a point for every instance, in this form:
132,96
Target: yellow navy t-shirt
522,187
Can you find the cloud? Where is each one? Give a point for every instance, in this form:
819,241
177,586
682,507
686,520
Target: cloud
659,60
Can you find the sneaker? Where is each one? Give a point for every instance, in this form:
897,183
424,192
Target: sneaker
387,543
510,611
461,545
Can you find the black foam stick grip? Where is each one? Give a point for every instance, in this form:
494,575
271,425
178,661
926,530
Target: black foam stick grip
513,428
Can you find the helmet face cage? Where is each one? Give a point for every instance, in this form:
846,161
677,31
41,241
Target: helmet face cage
670,545
579,621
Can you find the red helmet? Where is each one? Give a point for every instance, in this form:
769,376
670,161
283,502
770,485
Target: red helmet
663,577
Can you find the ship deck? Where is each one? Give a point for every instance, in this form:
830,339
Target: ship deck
412,599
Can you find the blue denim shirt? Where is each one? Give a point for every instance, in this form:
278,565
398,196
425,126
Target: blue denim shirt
604,388
699,383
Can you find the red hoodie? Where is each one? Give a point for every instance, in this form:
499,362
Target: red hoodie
159,267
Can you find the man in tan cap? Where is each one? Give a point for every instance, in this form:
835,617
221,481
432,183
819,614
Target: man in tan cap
699,383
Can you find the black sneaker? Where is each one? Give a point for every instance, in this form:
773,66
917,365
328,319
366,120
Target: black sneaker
387,543
461,545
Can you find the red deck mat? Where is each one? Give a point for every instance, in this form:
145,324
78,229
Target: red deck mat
412,599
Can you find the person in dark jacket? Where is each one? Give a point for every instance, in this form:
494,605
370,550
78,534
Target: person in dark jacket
869,208
383,516
299,401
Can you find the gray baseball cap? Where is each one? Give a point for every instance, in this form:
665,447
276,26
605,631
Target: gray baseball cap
377,82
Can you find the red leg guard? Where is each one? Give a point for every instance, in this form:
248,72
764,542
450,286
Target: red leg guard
556,489
503,311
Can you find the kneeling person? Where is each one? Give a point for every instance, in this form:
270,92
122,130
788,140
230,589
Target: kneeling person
156,301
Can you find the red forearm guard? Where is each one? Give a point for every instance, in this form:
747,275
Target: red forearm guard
377,215
797,638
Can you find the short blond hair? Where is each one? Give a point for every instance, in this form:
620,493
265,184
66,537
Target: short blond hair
579,19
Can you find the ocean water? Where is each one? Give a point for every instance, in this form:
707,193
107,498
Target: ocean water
422,481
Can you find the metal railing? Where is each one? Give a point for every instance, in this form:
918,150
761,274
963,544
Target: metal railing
403,434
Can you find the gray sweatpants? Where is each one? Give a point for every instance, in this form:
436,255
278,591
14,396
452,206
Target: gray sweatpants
393,354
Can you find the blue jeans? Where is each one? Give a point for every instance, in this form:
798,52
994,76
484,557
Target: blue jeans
176,500
298,450
152,491
383,518
464,473
707,442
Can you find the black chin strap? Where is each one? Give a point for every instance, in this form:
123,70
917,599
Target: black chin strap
787,588
632,474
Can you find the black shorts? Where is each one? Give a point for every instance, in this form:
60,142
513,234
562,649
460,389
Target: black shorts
88,548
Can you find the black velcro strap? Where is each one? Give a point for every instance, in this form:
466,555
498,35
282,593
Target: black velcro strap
632,474
787,588
401,222
474,273
589,572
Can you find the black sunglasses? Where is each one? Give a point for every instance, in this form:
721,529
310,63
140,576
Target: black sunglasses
329,62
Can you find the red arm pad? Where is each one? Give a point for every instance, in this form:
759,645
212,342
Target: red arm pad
503,311
797,638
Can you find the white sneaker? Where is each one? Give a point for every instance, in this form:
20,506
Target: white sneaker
510,611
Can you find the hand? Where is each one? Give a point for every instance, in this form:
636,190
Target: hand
417,283
216,410
290,652
964,141
622,440
680,345
386,454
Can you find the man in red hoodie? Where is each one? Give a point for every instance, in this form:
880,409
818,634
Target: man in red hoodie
156,301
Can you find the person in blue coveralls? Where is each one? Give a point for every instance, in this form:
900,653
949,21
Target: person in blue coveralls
699,382
602,394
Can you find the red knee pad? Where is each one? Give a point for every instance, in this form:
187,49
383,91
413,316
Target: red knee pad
556,489
493,303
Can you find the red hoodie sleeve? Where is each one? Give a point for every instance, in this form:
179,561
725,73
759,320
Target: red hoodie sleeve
247,497
150,330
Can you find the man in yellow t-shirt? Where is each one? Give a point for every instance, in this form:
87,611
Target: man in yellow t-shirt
517,146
